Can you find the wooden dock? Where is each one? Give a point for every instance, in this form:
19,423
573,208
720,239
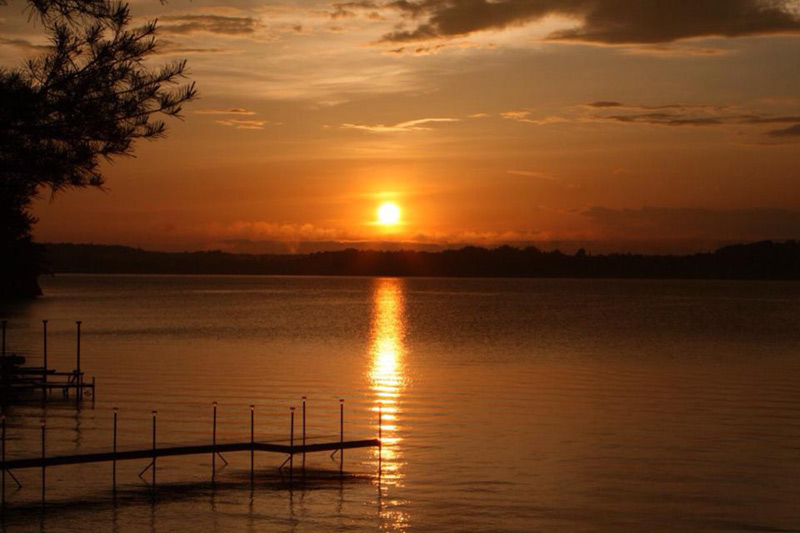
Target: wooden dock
16,378
301,447
172,451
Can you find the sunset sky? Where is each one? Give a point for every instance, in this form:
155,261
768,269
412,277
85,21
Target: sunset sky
628,125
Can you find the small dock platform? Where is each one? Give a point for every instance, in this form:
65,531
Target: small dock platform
15,378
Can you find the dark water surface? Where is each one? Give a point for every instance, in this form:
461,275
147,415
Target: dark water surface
509,405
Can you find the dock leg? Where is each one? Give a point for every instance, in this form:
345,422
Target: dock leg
252,443
154,449
341,436
3,423
214,446
44,359
304,438
291,446
44,471
380,442
114,462
78,376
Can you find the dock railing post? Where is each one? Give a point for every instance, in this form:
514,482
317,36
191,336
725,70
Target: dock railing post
291,445
154,448
114,462
214,446
380,441
252,442
304,436
341,435
78,377
44,478
44,358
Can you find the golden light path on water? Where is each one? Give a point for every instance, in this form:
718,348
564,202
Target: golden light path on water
387,380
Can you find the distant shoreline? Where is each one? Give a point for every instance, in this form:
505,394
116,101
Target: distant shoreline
764,260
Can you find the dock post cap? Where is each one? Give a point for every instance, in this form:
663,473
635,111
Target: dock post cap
79,321
44,423
44,321
291,408
155,413
252,406
214,404
341,400
304,397
116,409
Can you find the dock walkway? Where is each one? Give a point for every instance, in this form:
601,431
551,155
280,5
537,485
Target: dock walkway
172,451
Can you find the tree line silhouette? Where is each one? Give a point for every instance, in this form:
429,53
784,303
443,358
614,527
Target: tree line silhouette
765,260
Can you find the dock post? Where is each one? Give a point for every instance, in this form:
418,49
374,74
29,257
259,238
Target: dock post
214,446
114,462
44,358
380,435
94,390
3,422
43,463
4,369
291,445
154,449
252,442
341,435
78,377
304,437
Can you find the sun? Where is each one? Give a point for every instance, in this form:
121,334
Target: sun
388,214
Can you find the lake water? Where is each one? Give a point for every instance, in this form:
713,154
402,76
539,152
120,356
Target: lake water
509,405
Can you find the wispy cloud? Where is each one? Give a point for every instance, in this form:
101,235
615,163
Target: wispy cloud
23,44
242,124
411,125
230,111
216,24
525,117
670,115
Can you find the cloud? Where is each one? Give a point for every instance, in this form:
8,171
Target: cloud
524,116
600,21
242,124
791,131
24,45
677,115
695,119
169,47
230,111
217,24
344,10
411,125
696,223
261,230
605,104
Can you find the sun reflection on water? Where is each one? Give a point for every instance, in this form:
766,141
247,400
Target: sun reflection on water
387,380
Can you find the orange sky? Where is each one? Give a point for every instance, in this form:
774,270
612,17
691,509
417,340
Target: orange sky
613,125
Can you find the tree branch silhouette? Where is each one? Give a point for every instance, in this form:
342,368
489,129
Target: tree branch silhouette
88,99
